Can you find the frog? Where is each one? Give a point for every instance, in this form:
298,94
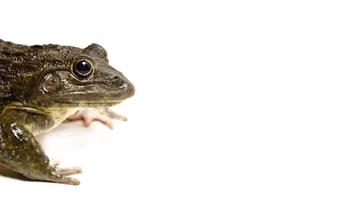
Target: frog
43,86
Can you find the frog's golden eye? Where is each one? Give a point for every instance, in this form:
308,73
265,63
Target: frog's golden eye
83,68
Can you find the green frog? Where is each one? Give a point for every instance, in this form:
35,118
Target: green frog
42,86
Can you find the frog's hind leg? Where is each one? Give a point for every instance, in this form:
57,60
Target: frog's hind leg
20,152
89,115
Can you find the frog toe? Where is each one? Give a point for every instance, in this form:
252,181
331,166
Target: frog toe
68,180
69,171
104,116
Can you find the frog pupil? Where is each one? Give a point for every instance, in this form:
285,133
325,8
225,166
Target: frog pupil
83,68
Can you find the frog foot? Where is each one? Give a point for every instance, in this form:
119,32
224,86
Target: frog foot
66,172
104,116
68,180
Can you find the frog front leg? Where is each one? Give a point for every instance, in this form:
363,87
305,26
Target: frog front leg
20,152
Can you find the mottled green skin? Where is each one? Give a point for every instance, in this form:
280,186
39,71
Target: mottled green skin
38,90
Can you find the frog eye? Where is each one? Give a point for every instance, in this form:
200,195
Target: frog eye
83,68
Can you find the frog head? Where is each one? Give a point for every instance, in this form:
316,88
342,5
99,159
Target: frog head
73,77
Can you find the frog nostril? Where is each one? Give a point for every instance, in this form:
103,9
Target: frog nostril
115,78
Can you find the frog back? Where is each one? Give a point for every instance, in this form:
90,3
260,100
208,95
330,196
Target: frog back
5,88
11,55
19,68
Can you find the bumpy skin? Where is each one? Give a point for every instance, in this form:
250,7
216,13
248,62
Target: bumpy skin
39,89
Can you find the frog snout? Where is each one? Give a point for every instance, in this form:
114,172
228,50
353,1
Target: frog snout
122,84
127,88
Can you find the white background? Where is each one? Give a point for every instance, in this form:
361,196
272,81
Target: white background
234,99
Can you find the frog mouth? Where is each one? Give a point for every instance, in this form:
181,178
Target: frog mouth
125,88
94,98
